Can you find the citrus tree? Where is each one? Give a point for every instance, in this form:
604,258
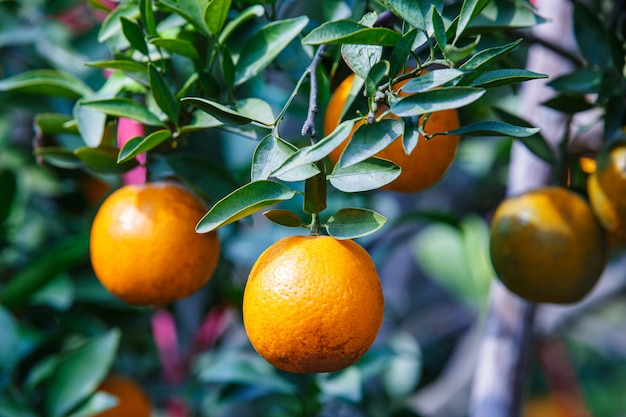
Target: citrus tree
173,142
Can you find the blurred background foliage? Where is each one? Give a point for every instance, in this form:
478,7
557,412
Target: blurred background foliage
61,332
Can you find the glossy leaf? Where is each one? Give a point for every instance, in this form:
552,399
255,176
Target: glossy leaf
256,109
177,46
505,14
243,202
313,153
349,32
46,83
400,52
569,103
369,139
103,160
112,24
191,10
488,56
60,256
409,10
469,10
251,12
284,217
439,28
455,54
493,128
361,58
584,80
134,34
366,175
79,372
59,157
90,124
220,112
375,77
54,123
535,143
123,107
162,93
119,64
436,100
147,17
507,76
431,80
591,36
352,223
215,14
265,45
270,154
139,145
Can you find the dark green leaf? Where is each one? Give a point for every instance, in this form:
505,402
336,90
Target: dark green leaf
366,175
147,17
177,46
310,154
215,14
352,223
408,10
265,45
349,32
59,157
401,52
431,80
284,217
9,348
569,103
457,54
244,201
103,160
119,64
535,143
369,139
79,373
488,56
8,185
469,10
439,28
251,12
436,100
500,77
54,123
134,34
506,14
222,113
46,83
411,134
123,107
270,154
191,10
228,67
375,77
361,58
591,36
584,80
493,128
139,145
162,93
112,24
58,257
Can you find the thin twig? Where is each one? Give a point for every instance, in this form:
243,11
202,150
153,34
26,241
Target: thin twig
309,125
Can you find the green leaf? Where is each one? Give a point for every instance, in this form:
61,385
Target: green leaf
500,77
505,14
103,160
123,107
284,217
162,93
431,80
492,128
222,113
535,143
134,34
46,83
191,10
54,123
59,157
242,202
401,51
469,10
340,32
488,56
584,81
9,348
375,77
440,29
457,54
352,223
112,24
215,14
228,67
410,11
126,65
265,45
256,109
313,153
8,185
139,145
60,256
177,46
270,154
591,36
90,124
251,12
366,175
147,17
79,373
569,103
369,139
444,98
361,58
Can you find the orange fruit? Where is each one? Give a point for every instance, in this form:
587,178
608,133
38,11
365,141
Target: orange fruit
547,246
144,248
607,189
131,400
313,304
542,407
426,164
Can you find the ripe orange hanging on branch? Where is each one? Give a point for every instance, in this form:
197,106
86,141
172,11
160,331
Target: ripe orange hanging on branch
313,304
425,165
144,248
547,246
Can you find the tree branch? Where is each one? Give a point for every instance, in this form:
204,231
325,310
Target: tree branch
309,125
